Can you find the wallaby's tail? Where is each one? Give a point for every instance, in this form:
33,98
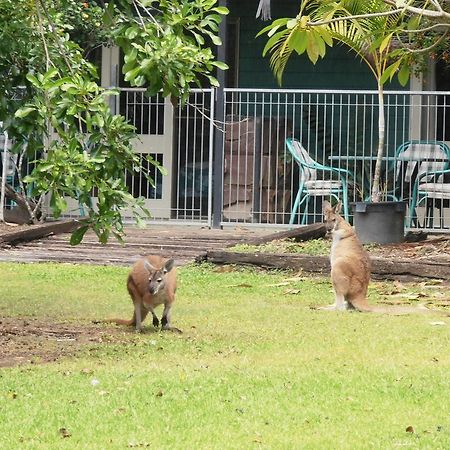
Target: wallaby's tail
401,310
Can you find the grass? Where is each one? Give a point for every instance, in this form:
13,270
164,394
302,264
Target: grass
311,247
255,368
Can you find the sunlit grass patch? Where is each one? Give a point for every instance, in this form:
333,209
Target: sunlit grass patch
256,367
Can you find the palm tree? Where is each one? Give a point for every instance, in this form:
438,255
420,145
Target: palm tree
367,27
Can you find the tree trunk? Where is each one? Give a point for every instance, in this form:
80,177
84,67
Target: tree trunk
3,179
376,194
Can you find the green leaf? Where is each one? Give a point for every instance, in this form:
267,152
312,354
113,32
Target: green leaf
132,74
33,80
131,32
403,74
274,40
199,38
413,23
291,24
389,72
215,39
78,234
51,73
221,65
326,35
108,14
298,41
313,47
213,81
23,112
221,10
385,43
275,25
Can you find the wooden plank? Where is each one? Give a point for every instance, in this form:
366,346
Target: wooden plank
381,267
305,233
317,264
82,259
39,231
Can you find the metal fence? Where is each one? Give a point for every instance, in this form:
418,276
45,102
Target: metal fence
260,178
180,139
338,129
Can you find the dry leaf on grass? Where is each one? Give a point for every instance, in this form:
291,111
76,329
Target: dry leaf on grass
394,302
292,291
64,432
296,279
242,285
223,269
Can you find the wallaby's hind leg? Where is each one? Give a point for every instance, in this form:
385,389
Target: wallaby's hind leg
165,319
140,313
339,304
149,308
341,286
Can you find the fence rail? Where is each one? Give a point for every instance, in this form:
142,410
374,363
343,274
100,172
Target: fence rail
337,128
260,178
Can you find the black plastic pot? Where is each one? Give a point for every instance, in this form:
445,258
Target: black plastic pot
381,223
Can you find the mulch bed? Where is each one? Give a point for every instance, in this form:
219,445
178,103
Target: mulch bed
427,259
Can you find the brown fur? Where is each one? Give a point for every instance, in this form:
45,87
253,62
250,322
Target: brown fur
151,272
350,268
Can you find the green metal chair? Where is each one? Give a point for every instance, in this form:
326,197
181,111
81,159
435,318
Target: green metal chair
312,186
420,168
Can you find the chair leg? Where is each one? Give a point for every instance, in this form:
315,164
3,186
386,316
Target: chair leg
295,207
412,209
429,214
305,212
345,202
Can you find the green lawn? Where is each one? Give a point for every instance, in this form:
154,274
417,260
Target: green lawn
255,367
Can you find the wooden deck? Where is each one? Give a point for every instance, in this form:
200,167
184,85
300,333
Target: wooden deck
183,243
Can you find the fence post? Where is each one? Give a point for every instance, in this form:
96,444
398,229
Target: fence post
218,133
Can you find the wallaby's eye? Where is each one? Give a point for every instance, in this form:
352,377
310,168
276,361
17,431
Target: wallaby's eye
159,280
165,271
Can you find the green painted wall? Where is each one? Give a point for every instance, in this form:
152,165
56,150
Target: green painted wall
340,69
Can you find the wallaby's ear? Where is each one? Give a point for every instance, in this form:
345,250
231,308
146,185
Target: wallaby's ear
169,265
326,206
337,208
148,266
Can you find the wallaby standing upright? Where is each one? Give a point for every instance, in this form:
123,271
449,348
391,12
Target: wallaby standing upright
350,263
151,282
350,267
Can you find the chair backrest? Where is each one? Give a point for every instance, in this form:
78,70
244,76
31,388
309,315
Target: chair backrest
303,159
416,158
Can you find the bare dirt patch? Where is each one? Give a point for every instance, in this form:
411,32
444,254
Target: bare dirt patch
36,341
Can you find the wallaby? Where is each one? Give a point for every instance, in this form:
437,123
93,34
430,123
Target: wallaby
151,282
350,268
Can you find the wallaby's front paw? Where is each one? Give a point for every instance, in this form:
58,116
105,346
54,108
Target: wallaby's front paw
155,322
